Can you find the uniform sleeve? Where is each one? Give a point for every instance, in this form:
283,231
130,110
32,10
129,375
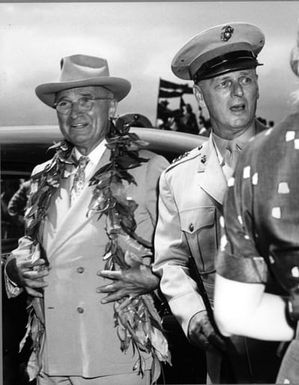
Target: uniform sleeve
171,260
238,258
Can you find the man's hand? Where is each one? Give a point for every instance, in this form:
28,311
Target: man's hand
202,334
135,281
27,275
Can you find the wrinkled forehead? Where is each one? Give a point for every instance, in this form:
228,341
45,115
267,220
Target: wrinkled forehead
92,91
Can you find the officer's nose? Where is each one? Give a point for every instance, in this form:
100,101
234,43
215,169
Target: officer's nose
237,89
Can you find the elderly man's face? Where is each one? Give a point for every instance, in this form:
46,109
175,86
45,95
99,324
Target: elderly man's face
82,122
231,100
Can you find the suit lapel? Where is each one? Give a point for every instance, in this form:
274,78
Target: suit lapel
212,179
65,220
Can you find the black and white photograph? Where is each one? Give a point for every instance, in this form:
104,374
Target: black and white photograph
149,192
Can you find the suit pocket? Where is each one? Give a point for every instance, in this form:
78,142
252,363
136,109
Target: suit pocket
200,230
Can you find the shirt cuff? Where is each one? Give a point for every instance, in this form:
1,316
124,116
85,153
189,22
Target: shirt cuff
185,307
181,292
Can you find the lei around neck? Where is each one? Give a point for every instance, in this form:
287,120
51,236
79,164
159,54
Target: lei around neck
137,324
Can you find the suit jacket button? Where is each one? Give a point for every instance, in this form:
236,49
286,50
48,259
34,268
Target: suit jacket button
80,310
191,227
80,269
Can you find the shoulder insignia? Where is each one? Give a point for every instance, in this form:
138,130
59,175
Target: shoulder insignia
180,157
186,156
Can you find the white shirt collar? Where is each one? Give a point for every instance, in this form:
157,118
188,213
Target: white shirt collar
241,141
95,154
94,157
216,145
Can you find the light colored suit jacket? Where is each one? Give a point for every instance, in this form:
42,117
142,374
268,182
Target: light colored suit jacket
191,193
191,196
81,339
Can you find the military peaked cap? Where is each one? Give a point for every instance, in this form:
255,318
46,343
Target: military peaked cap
218,50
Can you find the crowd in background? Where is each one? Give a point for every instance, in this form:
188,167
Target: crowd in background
184,119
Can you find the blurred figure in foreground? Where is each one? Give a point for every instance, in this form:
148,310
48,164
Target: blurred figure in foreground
261,219
262,223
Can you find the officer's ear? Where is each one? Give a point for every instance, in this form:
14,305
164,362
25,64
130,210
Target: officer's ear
198,94
112,108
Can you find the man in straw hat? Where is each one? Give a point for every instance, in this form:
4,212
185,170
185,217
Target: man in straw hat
73,221
221,61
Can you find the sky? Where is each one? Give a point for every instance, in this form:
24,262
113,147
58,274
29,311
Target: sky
139,40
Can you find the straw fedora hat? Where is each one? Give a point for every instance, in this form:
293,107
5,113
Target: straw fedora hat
83,71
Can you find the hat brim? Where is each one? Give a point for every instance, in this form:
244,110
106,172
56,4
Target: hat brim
118,86
230,62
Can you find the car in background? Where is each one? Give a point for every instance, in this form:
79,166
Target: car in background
23,147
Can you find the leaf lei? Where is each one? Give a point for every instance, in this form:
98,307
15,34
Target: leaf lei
138,323
44,184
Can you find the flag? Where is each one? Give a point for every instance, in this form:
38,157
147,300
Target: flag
168,90
182,88
169,94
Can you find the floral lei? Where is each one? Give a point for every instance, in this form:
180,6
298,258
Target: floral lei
137,322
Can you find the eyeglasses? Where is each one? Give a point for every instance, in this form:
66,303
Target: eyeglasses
85,104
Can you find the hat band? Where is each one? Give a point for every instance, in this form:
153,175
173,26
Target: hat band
231,61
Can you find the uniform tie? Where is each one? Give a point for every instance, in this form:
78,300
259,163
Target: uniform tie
79,178
232,152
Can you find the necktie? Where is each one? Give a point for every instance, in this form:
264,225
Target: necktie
79,178
231,155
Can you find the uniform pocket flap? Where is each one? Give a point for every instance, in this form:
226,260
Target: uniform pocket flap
195,219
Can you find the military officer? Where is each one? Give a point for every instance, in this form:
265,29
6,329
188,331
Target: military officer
221,61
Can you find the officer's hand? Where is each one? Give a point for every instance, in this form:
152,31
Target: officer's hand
135,281
27,275
202,334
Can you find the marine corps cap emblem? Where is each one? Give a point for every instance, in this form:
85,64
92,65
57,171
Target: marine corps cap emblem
226,33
